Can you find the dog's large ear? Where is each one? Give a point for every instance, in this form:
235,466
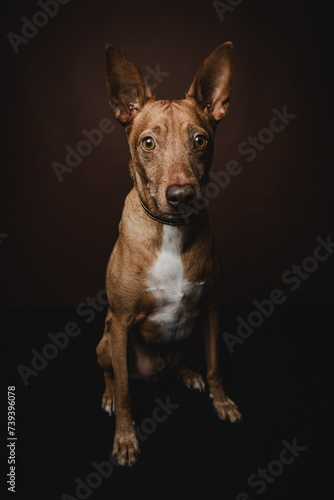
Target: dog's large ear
125,83
213,81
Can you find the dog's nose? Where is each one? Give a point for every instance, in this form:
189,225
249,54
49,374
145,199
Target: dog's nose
180,194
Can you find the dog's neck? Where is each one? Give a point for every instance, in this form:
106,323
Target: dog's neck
148,231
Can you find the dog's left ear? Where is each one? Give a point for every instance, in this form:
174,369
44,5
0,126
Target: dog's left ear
212,84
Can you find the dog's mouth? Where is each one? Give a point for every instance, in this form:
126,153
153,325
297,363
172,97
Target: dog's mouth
183,215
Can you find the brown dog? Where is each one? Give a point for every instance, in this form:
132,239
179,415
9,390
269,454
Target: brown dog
163,278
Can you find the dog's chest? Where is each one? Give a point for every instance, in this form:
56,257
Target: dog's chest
176,297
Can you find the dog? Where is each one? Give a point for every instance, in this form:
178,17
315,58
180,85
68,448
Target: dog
163,277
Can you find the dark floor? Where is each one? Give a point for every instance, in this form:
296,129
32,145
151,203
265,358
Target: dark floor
61,430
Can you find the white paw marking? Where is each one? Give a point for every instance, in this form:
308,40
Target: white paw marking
199,385
107,408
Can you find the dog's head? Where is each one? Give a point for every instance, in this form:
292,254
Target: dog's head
171,142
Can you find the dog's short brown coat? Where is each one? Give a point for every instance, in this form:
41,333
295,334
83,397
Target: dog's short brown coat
133,343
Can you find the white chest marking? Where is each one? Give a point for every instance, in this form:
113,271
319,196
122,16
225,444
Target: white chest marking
176,297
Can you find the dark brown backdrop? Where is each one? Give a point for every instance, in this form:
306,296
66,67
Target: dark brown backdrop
59,235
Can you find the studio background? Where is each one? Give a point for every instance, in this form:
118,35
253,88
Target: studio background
56,237
60,234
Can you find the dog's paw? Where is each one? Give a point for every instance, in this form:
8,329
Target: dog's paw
108,402
191,379
227,410
194,381
126,448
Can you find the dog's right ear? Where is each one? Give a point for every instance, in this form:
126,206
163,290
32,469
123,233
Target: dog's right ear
125,83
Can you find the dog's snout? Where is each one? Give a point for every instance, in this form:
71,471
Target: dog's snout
180,194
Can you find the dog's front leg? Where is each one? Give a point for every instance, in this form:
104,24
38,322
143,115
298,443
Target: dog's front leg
125,442
224,406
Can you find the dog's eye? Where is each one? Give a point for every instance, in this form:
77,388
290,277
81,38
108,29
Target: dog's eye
200,141
148,143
